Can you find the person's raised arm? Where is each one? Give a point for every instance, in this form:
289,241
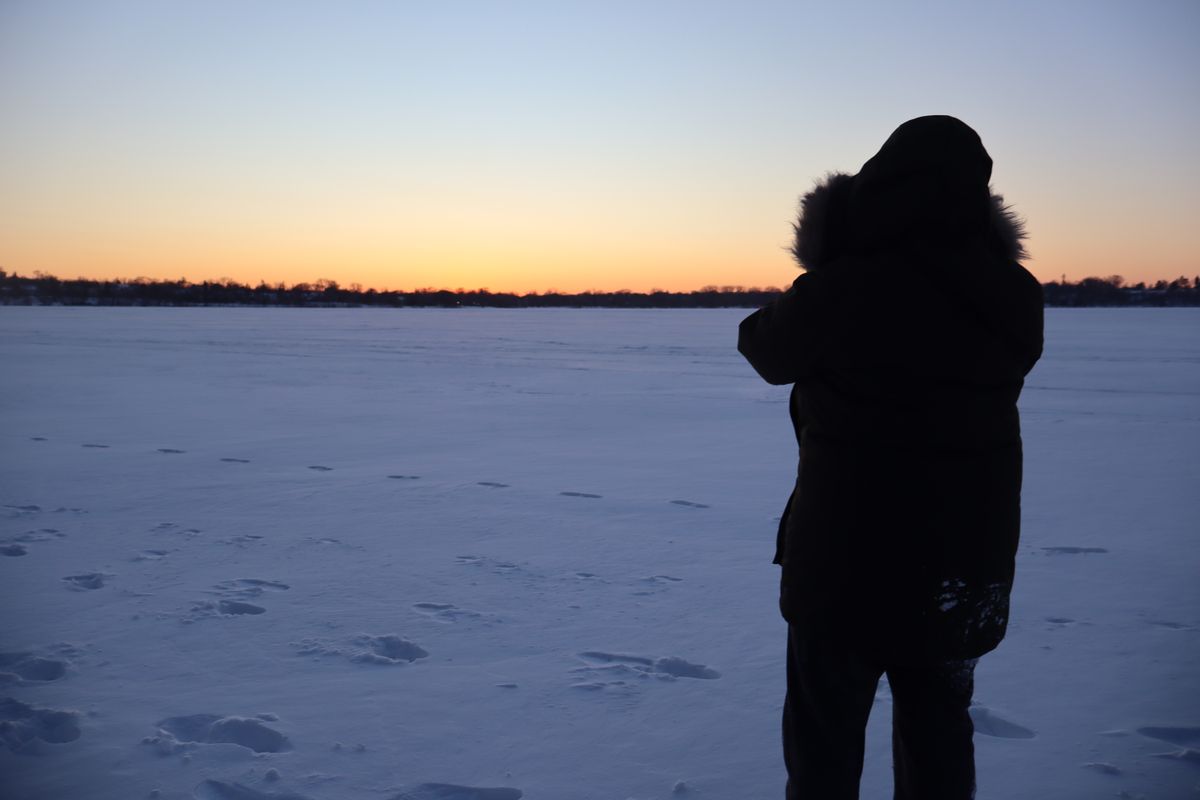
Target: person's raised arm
780,339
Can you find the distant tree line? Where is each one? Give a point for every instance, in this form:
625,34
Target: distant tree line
43,289
1113,291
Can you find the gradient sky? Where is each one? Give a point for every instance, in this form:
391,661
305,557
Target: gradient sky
533,145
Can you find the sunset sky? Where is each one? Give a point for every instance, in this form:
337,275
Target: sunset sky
572,145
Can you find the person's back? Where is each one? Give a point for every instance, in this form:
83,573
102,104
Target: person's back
907,340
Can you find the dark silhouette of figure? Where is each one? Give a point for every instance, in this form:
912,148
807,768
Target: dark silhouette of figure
907,339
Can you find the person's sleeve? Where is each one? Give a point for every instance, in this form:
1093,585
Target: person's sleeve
1033,316
778,340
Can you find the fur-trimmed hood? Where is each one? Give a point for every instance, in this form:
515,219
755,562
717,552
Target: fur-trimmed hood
928,182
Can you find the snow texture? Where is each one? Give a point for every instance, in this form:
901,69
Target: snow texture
327,554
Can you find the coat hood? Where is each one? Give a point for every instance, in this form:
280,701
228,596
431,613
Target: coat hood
929,182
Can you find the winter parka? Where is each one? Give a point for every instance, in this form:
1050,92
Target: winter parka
907,339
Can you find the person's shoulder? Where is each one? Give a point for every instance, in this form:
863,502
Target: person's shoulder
1025,283
847,270
1032,285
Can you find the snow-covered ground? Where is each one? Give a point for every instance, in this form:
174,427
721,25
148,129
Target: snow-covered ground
340,554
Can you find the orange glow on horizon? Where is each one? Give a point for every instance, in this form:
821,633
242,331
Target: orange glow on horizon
517,272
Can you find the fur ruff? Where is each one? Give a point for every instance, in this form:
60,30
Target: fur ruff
823,212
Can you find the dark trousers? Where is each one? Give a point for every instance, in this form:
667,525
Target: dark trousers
830,689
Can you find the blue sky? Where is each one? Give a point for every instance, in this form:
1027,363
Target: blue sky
523,145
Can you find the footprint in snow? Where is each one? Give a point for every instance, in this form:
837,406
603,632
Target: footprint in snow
22,511
497,566
321,468
242,539
176,733
234,596
13,550
171,527
238,608
95,446
329,541
38,439
386,649
447,612
207,609
1186,754
989,723
1186,737
236,460
1182,735
611,670
658,581
219,790
249,587
27,667
40,535
86,581
493,484
1072,551
581,494
1103,767
1175,626
450,791
170,450
404,477
150,555
26,729
689,504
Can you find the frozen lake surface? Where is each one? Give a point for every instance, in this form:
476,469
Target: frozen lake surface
468,554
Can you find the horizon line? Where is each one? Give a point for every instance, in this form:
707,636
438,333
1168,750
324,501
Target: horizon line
321,284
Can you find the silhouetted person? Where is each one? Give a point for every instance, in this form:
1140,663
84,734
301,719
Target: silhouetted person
907,340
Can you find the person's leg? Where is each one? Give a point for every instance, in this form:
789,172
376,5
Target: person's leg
829,696
933,757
